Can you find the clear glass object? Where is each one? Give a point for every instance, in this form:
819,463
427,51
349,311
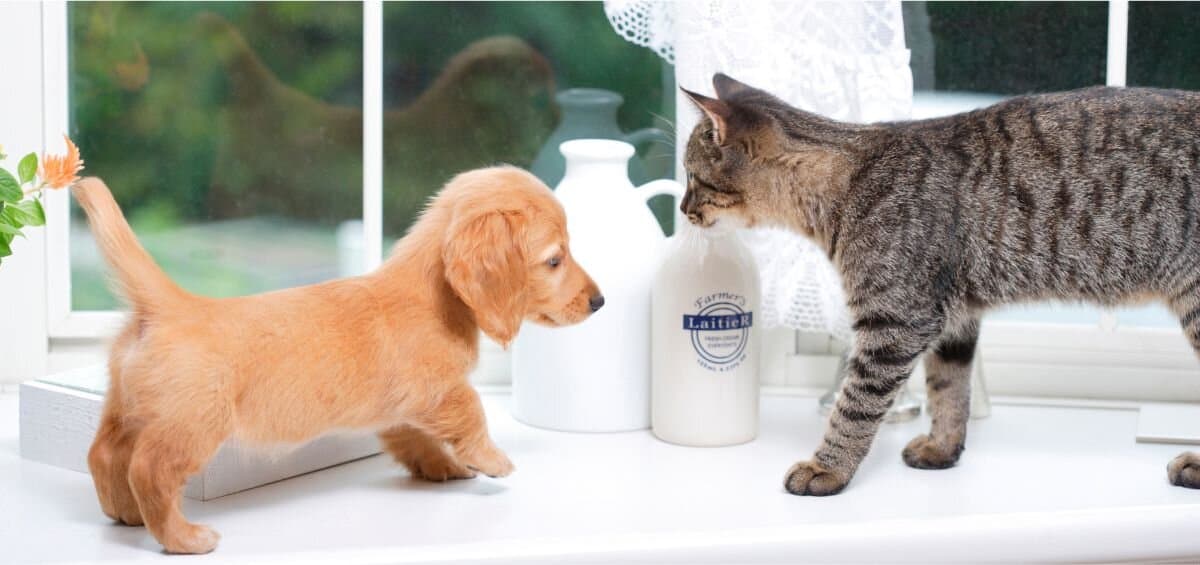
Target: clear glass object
907,406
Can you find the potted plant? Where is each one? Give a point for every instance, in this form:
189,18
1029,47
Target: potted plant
21,194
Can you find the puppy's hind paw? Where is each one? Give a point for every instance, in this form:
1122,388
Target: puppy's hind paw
1184,471
808,478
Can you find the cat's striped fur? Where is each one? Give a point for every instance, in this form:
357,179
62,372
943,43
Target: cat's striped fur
1089,195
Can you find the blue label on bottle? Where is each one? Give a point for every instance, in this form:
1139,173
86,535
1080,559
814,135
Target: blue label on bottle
720,330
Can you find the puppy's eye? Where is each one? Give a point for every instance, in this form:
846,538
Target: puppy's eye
554,262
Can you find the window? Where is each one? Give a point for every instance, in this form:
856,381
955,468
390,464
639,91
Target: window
232,133
260,145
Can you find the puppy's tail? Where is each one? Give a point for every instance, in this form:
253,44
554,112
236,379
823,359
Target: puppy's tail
143,283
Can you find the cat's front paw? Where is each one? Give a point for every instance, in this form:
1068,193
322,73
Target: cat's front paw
808,478
925,452
1184,471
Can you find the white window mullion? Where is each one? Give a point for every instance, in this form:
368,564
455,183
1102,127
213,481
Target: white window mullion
62,321
372,188
1118,37
55,123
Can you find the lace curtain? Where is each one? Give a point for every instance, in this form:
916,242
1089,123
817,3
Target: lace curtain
844,60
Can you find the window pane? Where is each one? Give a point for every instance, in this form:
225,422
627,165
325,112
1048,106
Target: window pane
967,55
1006,47
474,84
1163,51
230,133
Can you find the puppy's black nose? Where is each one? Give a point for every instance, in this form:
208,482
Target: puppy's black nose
596,302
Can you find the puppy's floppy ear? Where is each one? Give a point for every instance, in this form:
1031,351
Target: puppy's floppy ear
485,265
718,113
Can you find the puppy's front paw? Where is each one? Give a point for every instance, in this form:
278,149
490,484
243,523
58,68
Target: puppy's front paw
1184,471
439,469
811,479
191,538
491,462
925,452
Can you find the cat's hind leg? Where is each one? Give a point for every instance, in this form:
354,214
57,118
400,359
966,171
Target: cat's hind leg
948,385
1184,470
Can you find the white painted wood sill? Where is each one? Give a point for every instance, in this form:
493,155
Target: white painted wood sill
1036,483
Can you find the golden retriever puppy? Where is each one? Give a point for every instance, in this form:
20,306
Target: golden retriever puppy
387,351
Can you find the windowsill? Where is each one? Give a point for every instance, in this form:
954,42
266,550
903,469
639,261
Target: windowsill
1035,484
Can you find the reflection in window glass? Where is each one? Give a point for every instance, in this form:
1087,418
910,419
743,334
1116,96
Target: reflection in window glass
475,84
231,134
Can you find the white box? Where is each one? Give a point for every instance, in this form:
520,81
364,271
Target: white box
60,414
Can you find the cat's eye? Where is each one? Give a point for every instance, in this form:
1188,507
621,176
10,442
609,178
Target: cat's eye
554,262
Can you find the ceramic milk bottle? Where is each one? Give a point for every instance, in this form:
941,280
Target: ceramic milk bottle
595,376
705,352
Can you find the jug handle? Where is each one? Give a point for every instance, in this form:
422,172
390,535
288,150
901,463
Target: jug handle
644,135
663,186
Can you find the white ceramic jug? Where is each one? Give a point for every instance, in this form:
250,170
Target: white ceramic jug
595,376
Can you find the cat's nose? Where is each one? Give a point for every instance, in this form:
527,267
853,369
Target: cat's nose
687,203
596,302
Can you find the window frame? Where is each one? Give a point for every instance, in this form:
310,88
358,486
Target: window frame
1011,351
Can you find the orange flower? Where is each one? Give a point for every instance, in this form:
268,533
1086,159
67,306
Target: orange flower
59,172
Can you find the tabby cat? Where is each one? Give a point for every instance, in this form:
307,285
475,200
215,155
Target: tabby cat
1087,195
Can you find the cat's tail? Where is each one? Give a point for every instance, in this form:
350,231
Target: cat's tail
138,278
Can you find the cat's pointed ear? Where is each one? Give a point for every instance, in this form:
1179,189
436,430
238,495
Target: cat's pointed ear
726,86
718,113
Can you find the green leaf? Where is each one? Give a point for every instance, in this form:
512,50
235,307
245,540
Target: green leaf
12,216
34,214
7,230
27,168
10,189
5,250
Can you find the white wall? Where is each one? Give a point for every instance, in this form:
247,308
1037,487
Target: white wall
23,341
